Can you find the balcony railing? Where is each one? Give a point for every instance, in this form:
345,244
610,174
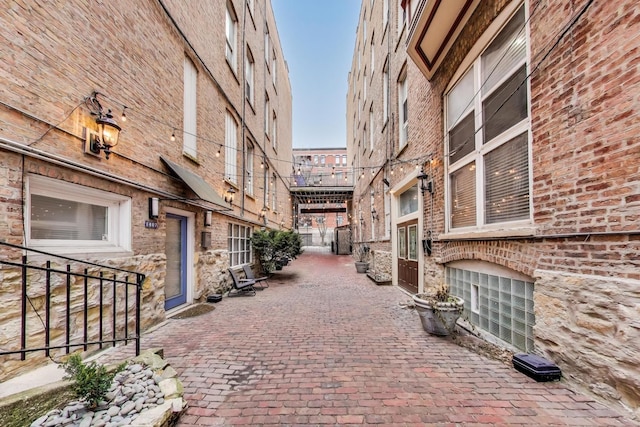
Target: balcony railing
324,179
65,303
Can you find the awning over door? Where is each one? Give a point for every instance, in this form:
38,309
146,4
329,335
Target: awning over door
198,185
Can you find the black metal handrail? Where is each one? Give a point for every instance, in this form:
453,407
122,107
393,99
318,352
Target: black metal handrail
90,275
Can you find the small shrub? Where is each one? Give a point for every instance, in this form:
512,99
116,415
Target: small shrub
91,381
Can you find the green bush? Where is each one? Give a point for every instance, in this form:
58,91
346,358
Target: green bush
90,381
274,246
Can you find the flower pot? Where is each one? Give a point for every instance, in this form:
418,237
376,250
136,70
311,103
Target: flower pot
362,267
439,318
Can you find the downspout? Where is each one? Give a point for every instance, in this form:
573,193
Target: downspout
244,107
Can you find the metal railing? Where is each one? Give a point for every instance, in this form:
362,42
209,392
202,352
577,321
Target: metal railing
79,303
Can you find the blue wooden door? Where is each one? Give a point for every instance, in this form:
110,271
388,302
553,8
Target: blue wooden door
175,284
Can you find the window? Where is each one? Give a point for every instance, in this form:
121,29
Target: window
487,137
387,214
385,90
239,244
402,15
267,48
323,160
344,160
315,159
409,201
372,52
64,218
413,242
364,28
364,85
274,192
231,149
274,74
250,175
189,140
267,112
403,109
385,13
274,132
402,243
267,187
231,32
251,5
249,73
371,133
500,305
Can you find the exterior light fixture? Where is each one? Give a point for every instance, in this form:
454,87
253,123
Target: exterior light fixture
108,128
425,183
154,207
228,195
208,218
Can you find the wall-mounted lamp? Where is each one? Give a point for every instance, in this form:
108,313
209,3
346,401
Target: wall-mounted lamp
208,218
108,129
154,207
263,212
228,195
425,183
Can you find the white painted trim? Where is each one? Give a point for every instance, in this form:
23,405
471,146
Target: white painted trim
191,241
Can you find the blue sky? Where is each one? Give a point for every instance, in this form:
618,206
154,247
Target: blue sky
317,38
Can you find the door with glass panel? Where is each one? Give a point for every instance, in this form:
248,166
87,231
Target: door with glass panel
408,256
175,284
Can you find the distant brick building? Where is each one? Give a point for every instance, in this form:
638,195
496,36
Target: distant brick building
207,101
510,145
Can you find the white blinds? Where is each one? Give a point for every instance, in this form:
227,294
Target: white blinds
463,196
507,51
460,99
59,219
231,148
507,182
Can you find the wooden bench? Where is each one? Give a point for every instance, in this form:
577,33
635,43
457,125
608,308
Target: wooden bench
241,286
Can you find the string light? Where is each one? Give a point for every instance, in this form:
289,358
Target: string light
173,135
218,153
124,115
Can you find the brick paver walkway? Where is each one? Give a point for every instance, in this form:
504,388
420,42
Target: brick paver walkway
326,346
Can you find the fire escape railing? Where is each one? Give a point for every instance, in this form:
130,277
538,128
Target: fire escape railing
72,292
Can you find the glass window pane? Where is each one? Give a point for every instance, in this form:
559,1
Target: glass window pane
506,106
413,242
60,219
409,201
505,52
463,196
507,181
462,139
402,243
460,99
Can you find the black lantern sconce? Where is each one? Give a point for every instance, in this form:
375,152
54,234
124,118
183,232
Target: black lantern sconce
208,218
154,207
426,184
108,129
229,194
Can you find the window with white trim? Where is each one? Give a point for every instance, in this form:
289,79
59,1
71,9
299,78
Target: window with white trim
267,112
372,53
267,48
231,149
371,132
403,109
249,77
231,27
274,74
385,90
239,245
63,217
487,135
189,139
250,154
274,192
402,15
385,13
274,131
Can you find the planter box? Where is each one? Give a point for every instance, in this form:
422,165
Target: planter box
439,318
362,267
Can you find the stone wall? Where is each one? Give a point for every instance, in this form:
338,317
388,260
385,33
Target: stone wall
151,306
211,274
590,327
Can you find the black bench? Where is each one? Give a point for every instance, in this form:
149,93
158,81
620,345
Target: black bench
241,286
248,272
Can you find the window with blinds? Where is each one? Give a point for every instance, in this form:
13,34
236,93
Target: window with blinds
64,217
231,149
231,30
487,140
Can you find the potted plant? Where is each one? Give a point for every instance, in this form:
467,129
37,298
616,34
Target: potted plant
276,248
362,258
439,311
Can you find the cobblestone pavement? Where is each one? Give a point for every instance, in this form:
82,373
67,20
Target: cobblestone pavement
324,345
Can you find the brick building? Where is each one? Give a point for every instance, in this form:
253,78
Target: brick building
320,170
506,132
203,100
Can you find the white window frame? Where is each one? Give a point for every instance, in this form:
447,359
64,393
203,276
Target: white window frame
250,174
231,32
372,53
274,192
249,77
385,90
371,128
189,132
274,131
476,158
239,244
231,149
274,69
403,119
267,113
385,13
267,48
118,236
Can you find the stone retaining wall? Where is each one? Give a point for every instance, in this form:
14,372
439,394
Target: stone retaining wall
590,327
